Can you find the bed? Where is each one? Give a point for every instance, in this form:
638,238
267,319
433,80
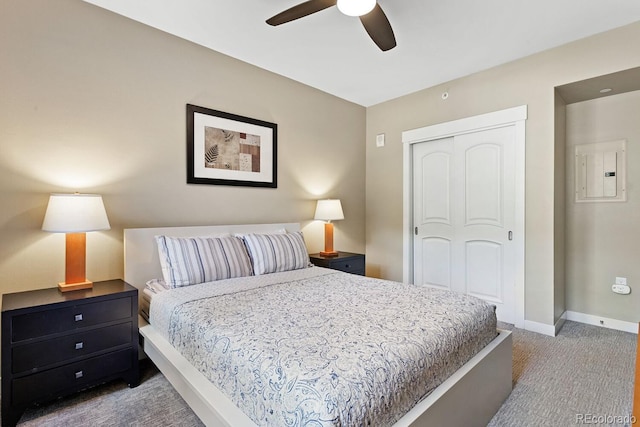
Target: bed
455,401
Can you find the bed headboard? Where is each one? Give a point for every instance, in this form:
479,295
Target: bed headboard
141,262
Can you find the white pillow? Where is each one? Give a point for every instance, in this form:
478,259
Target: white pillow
192,260
156,285
276,252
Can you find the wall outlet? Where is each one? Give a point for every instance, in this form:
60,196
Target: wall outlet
621,281
621,289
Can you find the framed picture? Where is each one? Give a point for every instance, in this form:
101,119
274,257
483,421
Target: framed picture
227,149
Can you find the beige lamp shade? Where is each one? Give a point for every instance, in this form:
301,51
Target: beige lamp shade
75,213
329,210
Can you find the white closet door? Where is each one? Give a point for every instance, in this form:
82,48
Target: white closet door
464,216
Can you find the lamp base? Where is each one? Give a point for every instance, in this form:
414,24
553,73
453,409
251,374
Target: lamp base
66,287
328,241
329,254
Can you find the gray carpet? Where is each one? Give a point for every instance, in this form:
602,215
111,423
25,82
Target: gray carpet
584,370
153,403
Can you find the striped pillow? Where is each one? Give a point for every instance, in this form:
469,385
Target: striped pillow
192,260
271,253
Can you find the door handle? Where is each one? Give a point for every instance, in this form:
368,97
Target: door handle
416,231
510,235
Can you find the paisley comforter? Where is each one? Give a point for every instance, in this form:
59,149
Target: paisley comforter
320,347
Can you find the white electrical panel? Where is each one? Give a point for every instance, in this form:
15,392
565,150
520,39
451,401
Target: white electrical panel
601,172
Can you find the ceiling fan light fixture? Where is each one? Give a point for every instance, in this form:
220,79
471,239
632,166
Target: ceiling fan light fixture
356,7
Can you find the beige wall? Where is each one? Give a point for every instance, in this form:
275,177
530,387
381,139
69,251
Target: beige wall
529,81
602,238
93,102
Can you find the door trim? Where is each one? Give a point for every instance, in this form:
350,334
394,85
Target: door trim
515,116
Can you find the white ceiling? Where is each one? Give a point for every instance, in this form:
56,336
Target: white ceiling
437,40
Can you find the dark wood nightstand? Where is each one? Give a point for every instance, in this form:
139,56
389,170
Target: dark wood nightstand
345,261
56,343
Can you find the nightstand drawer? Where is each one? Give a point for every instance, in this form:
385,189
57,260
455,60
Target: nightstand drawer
32,357
348,262
355,265
72,376
48,322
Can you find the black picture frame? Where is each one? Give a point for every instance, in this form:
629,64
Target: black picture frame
228,149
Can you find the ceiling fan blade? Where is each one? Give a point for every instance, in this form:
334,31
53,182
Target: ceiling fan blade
301,10
379,28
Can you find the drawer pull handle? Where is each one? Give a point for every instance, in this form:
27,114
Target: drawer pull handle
79,374
78,317
79,345
347,266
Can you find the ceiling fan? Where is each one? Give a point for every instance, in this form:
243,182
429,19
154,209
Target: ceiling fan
373,19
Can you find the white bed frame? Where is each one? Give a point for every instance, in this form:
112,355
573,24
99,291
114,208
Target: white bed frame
470,397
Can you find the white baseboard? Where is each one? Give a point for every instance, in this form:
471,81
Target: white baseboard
541,328
604,322
589,319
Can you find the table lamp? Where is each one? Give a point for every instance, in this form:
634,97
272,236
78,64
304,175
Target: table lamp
328,210
75,214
